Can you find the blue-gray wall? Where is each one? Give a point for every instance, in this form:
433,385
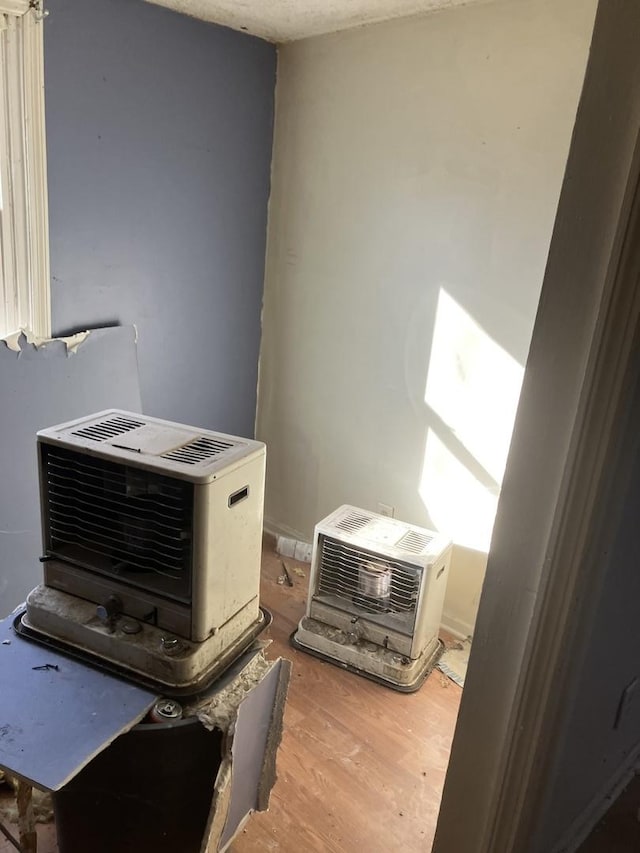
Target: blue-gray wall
159,131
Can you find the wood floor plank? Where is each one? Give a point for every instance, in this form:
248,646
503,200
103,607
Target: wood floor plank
361,766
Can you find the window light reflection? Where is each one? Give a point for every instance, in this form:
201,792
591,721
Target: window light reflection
473,386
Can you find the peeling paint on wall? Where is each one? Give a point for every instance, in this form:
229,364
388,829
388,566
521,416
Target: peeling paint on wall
18,341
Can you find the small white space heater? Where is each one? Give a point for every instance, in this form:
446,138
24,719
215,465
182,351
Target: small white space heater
152,535
376,593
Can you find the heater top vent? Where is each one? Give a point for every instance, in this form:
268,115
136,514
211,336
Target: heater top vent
109,428
138,441
198,451
389,537
353,521
414,542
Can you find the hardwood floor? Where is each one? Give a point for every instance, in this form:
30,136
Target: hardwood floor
360,766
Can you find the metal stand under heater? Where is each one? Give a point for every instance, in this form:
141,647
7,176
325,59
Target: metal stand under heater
144,653
365,658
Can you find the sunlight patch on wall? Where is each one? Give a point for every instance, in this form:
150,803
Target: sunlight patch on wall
458,503
473,386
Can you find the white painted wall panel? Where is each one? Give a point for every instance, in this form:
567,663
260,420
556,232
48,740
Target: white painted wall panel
416,173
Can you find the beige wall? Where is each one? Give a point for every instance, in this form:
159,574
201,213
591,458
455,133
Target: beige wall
416,172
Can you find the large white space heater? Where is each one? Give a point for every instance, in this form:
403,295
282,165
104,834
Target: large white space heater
376,595
152,535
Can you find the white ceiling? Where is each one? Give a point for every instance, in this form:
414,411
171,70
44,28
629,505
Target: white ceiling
288,20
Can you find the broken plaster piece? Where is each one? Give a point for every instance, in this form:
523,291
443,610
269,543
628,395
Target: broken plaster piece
247,773
220,804
221,711
15,343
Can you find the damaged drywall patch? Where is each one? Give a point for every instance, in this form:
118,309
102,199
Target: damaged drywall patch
221,711
269,776
23,338
220,806
249,710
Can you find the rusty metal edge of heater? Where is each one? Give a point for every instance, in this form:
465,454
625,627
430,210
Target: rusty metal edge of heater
223,662
422,667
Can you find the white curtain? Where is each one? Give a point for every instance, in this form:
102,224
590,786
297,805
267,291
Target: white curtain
24,266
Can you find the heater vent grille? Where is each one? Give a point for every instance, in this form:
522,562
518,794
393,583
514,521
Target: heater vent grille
367,582
414,542
118,520
108,429
198,450
353,522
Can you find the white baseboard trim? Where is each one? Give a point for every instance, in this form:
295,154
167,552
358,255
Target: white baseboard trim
599,805
454,626
276,529
289,543
287,547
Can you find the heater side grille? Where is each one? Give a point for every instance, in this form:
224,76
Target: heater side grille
118,520
365,581
108,429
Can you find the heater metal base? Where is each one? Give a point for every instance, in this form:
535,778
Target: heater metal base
385,666
151,656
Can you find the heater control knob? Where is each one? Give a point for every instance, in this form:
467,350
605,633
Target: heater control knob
110,610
